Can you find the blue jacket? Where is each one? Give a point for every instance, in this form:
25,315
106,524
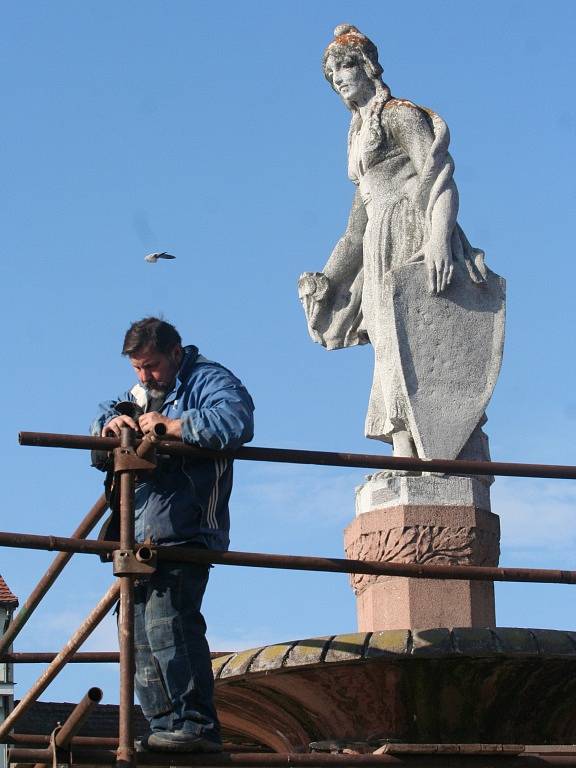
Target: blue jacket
185,499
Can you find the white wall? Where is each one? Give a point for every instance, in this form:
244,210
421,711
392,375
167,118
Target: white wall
6,686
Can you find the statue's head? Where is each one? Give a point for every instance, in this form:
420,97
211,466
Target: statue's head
349,41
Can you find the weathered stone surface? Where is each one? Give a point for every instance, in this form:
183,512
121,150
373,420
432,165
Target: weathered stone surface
426,302
509,642
475,641
442,544
381,491
346,647
551,642
239,663
431,642
517,641
271,657
309,651
419,687
436,533
392,642
449,350
220,662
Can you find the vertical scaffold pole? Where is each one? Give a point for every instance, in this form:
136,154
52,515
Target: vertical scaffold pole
125,753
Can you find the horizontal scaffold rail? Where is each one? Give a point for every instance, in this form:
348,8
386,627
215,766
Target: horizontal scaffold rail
294,562
83,657
323,458
314,760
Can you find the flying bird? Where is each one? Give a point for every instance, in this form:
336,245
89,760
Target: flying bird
152,258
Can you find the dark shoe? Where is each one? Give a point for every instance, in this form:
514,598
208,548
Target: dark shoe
181,741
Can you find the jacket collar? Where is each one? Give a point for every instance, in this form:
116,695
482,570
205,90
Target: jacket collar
188,361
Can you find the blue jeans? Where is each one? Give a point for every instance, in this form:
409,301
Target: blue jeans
173,679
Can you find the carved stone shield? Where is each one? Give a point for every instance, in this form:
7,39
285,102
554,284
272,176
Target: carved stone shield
448,350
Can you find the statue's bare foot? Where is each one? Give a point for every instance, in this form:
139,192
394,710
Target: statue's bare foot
403,447
387,473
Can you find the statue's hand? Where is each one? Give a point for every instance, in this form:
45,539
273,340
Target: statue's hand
312,288
438,259
312,285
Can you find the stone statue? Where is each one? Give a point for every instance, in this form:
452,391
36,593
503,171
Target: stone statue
404,277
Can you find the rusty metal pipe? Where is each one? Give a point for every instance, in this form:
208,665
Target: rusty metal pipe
147,447
298,562
55,569
323,458
41,739
77,718
28,740
125,752
127,485
372,567
294,760
85,629
45,657
83,657
56,543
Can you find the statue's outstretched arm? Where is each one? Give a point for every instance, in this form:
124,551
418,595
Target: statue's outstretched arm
331,298
346,258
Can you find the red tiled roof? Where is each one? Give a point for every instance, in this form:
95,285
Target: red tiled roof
7,599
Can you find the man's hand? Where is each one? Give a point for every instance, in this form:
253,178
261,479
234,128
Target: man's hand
114,426
148,421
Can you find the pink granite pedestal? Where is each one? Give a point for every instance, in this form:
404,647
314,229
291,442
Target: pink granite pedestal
426,519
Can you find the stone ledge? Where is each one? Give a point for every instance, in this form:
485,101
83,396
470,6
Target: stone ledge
402,645
380,492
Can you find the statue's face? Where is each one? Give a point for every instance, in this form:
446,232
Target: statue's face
346,70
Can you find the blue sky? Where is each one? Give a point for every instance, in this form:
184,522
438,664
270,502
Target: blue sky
208,130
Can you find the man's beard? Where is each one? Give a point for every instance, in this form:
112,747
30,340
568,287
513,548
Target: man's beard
157,391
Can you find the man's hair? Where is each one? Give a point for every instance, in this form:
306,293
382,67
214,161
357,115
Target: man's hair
150,332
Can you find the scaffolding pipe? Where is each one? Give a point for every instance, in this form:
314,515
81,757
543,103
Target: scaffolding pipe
307,760
85,629
64,734
86,657
30,740
45,657
55,569
298,562
323,458
34,740
372,567
77,718
125,752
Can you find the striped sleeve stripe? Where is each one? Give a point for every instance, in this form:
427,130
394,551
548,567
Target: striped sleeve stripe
221,465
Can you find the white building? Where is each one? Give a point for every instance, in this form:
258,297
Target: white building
8,603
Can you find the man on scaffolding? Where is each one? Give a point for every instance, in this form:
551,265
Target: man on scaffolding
183,501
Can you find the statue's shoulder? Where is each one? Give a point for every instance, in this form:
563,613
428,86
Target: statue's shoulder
405,115
394,103
403,109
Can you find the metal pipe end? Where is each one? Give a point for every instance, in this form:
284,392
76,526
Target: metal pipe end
144,554
95,694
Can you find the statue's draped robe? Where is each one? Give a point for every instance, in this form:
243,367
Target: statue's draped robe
398,207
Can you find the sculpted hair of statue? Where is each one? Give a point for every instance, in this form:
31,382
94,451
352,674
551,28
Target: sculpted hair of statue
349,40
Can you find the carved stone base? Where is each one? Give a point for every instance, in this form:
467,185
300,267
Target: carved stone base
444,520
